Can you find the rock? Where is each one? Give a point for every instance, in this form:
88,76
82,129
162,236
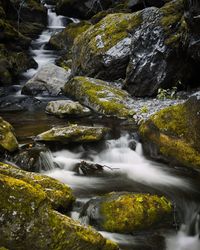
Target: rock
34,158
64,108
28,220
157,58
73,133
173,134
48,81
84,9
127,212
87,168
100,96
58,195
103,50
65,39
8,140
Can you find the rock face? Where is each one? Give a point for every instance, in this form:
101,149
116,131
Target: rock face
156,58
64,108
28,220
73,133
8,140
48,81
103,50
173,134
127,212
100,96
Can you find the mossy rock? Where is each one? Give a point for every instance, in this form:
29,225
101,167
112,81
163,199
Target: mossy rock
173,134
59,195
73,133
127,212
102,51
27,220
63,108
100,96
8,140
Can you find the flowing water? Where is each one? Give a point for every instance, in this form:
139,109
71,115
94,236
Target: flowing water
125,166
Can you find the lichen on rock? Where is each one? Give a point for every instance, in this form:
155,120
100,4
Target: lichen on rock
100,96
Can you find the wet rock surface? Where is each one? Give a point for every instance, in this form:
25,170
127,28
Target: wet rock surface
47,82
63,108
73,133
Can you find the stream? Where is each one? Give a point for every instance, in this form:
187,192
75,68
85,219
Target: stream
126,169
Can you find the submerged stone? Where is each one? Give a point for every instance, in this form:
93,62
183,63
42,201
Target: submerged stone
173,134
73,133
8,140
28,221
127,212
64,108
48,81
100,96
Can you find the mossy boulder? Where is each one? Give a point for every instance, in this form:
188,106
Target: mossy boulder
8,140
157,53
100,96
28,220
103,50
73,133
127,212
173,134
63,108
58,195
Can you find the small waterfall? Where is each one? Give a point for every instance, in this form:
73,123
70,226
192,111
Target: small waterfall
54,21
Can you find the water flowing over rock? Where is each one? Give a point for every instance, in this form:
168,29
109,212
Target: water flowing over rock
64,108
173,134
48,81
73,133
100,96
127,212
8,140
26,210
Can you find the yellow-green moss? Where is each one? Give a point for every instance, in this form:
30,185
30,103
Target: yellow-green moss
8,140
131,212
99,96
59,195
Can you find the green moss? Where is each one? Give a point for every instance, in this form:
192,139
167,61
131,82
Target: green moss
8,140
173,22
59,195
99,96
131,212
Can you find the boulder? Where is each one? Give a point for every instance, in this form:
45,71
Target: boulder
48,81
100,96
127,212
103,50
64,108
34,157
28,221
73,133
157,58
8,140
57,194
173,134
